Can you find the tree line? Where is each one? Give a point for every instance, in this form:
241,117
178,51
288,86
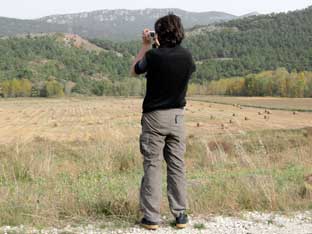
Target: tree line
24,88
279,83
54,88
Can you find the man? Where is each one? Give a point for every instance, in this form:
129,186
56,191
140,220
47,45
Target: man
168,67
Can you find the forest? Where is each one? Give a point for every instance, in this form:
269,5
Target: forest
240,57
244,46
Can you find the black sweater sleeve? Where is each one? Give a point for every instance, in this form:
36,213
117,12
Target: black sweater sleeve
141,66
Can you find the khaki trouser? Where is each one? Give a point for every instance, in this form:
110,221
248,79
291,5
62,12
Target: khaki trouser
163,136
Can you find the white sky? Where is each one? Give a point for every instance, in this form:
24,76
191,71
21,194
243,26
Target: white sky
27,9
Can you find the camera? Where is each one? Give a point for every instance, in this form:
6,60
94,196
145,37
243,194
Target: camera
152,34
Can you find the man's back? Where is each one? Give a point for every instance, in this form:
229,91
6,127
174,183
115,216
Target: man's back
168,73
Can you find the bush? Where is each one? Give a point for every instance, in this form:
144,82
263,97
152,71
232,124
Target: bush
15,88
54,89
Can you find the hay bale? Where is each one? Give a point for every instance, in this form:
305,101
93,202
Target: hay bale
191,136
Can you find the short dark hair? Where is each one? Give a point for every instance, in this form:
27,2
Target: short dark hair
170,30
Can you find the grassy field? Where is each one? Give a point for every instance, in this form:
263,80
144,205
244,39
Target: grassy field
78,159
297,104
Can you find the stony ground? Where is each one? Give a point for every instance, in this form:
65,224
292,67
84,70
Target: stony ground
247,223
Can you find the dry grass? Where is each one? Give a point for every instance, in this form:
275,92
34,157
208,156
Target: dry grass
88,165
109,119
300,104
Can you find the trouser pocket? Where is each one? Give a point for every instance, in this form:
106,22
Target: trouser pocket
179,119
144,143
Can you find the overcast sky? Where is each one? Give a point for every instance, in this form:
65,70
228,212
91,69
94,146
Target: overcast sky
38,8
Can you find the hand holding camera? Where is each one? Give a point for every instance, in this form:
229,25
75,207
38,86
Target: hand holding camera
148,37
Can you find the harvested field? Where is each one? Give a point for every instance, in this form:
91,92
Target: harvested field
22,120
298,104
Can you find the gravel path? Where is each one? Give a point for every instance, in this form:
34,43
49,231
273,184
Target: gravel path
247,223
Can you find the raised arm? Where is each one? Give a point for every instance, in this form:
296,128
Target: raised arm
146,46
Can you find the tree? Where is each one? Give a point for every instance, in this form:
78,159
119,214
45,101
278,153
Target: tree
26,88
15,88
5,85
300,85
54,89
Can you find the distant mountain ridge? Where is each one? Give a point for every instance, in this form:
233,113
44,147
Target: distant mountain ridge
107,24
